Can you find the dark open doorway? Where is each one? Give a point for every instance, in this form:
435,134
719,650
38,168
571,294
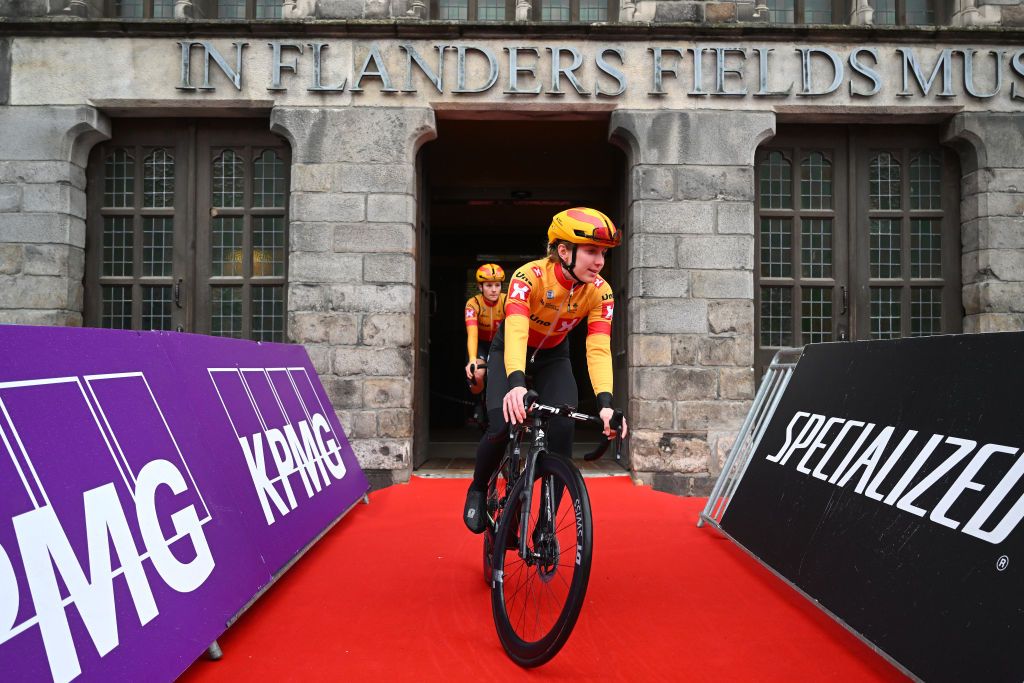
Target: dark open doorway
488,191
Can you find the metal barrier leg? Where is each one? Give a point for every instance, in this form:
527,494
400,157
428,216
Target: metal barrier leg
773,385
757,438
757,411
736,447
214,652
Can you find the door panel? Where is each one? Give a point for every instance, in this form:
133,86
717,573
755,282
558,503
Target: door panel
893,265
137,246
421,391
241,232
802,242
907,237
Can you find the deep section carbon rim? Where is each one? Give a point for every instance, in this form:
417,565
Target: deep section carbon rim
538,599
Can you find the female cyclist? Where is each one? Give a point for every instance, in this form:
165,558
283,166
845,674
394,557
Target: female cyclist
484,313
546,299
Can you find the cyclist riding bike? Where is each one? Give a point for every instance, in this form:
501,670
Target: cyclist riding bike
546,299
484,313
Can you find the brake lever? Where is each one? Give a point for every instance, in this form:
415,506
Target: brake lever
618,418
530,398
615,423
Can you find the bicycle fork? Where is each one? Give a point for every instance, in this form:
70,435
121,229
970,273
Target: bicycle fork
547,511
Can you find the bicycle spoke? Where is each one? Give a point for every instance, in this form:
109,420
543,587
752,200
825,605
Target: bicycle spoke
524,597
518,588
519,565
515,560
508,576
536,621
567,513
511,605
526,601
570,524
558,603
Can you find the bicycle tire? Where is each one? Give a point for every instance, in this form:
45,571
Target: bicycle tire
496,491
526,646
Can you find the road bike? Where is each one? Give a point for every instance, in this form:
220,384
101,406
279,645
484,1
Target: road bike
538,543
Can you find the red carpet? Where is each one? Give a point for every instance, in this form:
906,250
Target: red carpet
395,592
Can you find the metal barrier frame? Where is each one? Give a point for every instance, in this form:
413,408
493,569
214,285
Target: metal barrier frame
773,385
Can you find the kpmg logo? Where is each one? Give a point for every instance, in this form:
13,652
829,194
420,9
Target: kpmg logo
103,510
283,434
901,467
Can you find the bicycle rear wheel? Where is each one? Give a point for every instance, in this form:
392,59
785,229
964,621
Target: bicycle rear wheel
497,492
536,600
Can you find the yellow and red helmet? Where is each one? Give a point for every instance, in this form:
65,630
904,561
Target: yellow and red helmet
490,272
584,226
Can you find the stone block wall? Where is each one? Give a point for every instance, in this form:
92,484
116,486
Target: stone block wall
690,307
352,268
43,156
992,219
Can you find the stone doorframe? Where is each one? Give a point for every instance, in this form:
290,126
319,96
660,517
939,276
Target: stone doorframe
352,268
42,211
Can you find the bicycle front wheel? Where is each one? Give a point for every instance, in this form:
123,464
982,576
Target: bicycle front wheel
536,599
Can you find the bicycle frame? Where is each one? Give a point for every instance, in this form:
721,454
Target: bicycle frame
538,446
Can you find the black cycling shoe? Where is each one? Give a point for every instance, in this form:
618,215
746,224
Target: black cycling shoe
474,514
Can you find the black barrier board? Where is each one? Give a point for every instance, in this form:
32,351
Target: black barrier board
888,487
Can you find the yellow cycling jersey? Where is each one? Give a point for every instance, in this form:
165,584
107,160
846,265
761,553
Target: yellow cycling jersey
544,305
482,321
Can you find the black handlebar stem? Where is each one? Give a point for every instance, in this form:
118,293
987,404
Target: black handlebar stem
543,412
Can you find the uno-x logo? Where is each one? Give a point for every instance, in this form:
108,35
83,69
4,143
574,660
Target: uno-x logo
598,282
470,314
537,272
519,291
566,325
78,483
276,414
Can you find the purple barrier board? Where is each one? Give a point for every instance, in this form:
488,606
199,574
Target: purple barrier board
150,485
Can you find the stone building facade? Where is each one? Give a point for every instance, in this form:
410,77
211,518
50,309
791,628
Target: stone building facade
725,115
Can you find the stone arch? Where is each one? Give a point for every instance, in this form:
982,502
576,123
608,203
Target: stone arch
92,129
968,144
623,136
